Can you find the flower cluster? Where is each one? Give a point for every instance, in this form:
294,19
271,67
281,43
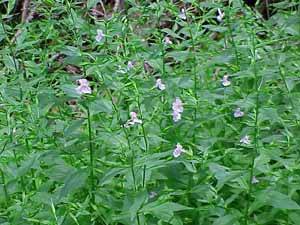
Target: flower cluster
177,107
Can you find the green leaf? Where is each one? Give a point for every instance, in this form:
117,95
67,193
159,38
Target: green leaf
91,3
11,5
111,174
73,182
225,220
10,62
30,162
139,200
101,105
276,199
73,127
59,172
295,217
179,56
164,211
70,90
2,33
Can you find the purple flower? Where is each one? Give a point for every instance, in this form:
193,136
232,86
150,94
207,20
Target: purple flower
167,41
182,14
83,87
220,15
99,35
133,120
177,107
152,194
245,140
160,85
178,150
254,180
176,116
238,113
130,65
225,81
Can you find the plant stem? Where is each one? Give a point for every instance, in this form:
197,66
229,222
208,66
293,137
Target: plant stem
282,74
11,137
256,128
91,150
194,65
143,131
4,187
132,164
232,38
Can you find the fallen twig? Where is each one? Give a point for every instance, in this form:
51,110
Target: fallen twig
25,18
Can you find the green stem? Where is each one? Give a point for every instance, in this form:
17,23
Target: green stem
256,128
143,131
232,38
282,74
91,150
4,187
31,170
11,136
194,65
132,164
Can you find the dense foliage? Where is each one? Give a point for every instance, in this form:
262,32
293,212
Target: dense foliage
161,113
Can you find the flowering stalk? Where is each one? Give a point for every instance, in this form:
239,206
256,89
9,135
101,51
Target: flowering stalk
132,163
143,131
256,129
228,22
194,65
91,151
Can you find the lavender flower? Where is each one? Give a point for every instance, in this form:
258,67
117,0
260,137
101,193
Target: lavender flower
133,120
182,14
83,87
225,81
99,35
238,113
152,194
176,116
245,140
160,85
177,107
220,15
167,41
178,150
254,180
130,65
